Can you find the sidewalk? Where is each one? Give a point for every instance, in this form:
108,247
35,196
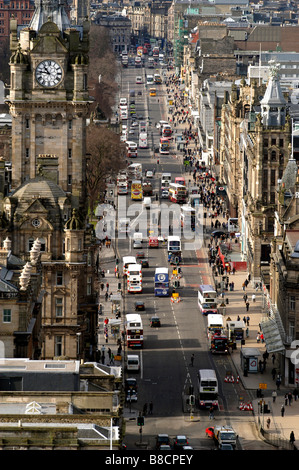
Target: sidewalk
107,263
280,426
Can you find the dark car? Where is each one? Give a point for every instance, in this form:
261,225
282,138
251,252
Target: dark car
162,439
139,305
226,447
218,233
155,321
180,441
131,384
140,255
144,263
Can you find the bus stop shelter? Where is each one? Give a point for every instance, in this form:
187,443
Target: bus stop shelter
249,360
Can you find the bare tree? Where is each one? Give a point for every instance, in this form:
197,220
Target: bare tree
105,157
102,64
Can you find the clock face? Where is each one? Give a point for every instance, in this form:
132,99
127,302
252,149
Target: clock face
48,73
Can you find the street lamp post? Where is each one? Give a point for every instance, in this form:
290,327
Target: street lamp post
78,344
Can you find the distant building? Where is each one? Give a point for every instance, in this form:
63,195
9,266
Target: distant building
119,29
21,10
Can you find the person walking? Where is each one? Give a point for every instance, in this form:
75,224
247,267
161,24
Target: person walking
268,423
282,409
292,437
274,395
150,408
211,413
192,360
145,409
247,306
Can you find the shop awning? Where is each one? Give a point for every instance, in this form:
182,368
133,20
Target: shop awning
272,336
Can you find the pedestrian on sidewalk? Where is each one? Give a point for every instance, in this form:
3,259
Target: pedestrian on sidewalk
247,306
211,413
292,437
274,395
278,382
247,320
290,398
106,296
282,410
273,358
253,297
107,286
273,372
286,399
268,423
145,409
112,359
150,408
295,393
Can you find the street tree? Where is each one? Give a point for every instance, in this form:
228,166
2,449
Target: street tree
105,157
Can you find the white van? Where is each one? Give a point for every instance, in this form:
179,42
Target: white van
147,202
133,363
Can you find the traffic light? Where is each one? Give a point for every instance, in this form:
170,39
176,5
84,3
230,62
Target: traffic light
192,399
140,421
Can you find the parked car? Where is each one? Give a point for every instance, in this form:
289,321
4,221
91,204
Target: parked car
139,305
155,321
162,439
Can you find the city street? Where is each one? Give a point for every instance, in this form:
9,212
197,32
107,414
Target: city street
166,372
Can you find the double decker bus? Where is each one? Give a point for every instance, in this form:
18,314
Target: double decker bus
207,389
134,171
139,51
166,131
136,190
138,62
207,299
157,79
134,278
122,187
127,260
161,282
149,79
131,149
164,146
134,330
188,217
156,51
177,193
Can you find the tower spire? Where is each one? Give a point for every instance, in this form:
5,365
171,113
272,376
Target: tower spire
50,9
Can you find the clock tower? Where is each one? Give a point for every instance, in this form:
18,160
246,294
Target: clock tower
49,100
49,104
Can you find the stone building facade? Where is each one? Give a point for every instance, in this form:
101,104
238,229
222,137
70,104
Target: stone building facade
255,148
49,103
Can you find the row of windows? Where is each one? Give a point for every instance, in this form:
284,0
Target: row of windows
27,153
27,121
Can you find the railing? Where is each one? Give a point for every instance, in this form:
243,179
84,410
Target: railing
274,438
